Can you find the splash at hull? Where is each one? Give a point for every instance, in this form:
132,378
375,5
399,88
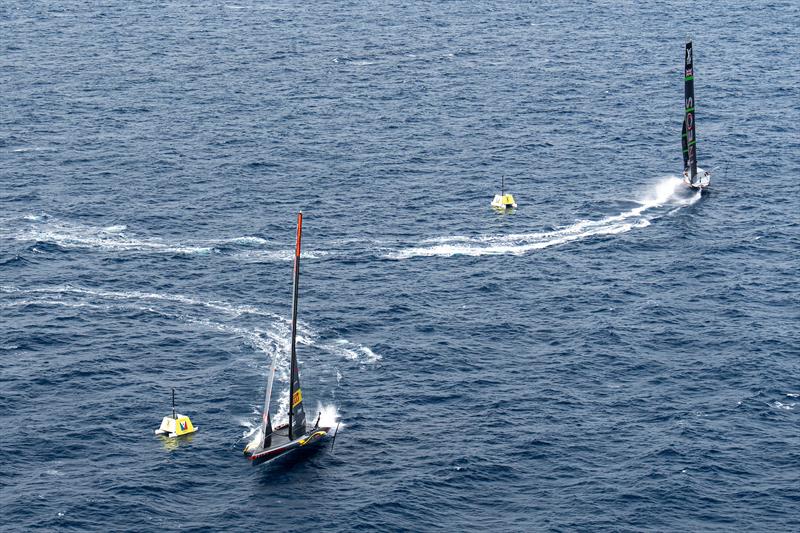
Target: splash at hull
280,444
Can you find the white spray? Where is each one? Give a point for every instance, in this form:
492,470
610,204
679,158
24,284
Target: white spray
664,193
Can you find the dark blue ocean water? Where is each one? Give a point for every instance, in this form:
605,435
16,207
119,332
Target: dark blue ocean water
617,355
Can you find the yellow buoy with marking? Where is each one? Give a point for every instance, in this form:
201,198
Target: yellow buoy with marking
503,200
176,425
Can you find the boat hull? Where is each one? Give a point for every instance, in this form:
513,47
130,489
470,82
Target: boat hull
703,183
280,449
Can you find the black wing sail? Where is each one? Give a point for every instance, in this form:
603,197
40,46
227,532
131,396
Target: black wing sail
298,426
689,131
297,416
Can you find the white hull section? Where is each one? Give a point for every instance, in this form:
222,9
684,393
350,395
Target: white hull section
703,179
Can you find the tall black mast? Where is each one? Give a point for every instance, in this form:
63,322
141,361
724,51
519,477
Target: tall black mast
689,115
295,290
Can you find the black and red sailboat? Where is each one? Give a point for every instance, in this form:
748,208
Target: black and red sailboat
276,441
694,177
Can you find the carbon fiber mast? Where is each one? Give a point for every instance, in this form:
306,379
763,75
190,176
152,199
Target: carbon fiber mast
295,435
689,131
297,416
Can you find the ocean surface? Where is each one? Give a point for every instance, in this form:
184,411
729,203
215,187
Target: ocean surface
618,354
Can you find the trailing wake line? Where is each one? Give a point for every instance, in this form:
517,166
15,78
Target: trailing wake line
518,244
275,334
118,238
43,228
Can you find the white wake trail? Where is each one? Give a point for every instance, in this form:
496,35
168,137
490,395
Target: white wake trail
110,238
665,193
70,235
276,328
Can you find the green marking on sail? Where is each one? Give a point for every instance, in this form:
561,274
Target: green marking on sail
688,78
690,110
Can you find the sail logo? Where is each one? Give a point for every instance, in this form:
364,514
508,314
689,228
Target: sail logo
297,397
688,56
183,426
690,139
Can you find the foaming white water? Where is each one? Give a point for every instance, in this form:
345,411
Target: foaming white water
231,309
114,238
28,149
351,351
275,334
118,238
53,303
275,340
784,406
328,417
664,193
271,256
115,229
279,416
247,240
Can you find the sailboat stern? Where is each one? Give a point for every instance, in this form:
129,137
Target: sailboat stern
283,446
701,181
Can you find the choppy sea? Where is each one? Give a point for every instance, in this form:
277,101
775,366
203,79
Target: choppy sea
618,354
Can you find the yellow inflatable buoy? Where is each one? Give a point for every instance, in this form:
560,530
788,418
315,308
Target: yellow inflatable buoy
176,425
503,200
